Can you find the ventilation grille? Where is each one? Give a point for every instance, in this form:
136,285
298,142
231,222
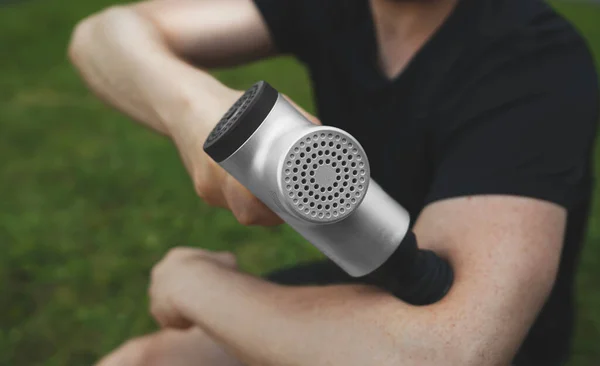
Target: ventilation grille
232,115
325,176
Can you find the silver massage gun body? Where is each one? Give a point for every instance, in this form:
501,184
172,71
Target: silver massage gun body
317,179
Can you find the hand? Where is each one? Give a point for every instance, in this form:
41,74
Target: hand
174,276
213,183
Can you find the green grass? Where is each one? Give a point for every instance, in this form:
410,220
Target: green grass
89,201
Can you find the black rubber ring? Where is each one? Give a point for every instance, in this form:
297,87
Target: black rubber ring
416,276
240,121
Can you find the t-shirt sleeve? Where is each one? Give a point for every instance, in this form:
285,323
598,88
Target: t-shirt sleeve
293,24
526,128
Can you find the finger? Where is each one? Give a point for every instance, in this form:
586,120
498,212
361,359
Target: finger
176,322
200,167
269,218
166,315
168,318
208,183
247,209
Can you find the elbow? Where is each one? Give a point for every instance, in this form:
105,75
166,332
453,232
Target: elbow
85,34
80,39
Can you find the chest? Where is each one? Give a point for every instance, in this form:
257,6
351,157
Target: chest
396,121
390,125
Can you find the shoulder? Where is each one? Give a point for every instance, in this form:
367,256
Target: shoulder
520,50
518,113
525,33
300,27
315,12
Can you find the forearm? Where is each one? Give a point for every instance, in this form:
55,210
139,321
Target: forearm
124,60
266,324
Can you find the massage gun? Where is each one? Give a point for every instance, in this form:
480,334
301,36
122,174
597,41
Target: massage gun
317,179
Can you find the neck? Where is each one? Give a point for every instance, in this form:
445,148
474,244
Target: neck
403,27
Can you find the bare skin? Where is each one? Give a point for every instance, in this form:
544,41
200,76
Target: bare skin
147,61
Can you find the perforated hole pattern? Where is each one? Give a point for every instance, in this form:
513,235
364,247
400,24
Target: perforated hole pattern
233,114
326,175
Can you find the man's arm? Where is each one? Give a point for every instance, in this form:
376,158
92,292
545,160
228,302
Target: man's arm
146,61
136,57
505,252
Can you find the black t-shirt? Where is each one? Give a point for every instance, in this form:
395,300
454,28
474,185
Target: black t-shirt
502,99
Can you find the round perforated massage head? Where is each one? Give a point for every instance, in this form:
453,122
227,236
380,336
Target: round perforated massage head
325,175
233,114
240,121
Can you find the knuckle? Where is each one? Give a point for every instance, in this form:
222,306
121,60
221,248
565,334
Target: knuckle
243,220
207,180
252,212
202,186
155,274
154,271
254,202
246,217
211,201
155,312
178,254
175,252
208,192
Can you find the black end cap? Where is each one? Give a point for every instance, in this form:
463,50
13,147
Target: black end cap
240,121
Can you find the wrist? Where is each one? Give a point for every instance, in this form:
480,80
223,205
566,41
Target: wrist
200,286
198,111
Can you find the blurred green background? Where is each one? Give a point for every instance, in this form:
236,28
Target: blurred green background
90,201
